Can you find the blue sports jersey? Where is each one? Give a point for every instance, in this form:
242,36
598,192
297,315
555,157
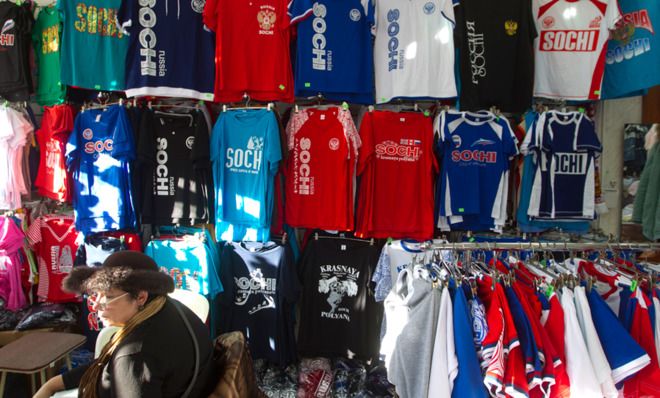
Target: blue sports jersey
633,51
98,154
245,151
528,345
171,53
334,49
475,147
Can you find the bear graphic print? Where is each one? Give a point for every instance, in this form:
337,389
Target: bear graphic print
338,282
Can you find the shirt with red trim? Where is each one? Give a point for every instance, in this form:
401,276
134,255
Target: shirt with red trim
555,329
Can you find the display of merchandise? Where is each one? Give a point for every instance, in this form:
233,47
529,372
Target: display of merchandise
397,167
94,47
15,48
260,288
485,31
160,37
46,38
11,243
570,47
16,131
98,154
414,49
320,169
334,56
261,70
53,181
245,152
175,167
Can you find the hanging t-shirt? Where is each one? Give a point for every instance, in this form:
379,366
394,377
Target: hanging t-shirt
495,42
93,46
15,131
320,170
15,47
633,52
175,168
245,151
11,261
53,240
53,181
414,49
170,52
46,37
334,49
570,49
397,167
260,285
262,68
98,154
338,313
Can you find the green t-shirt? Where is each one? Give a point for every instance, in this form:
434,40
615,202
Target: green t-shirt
46,40
93,47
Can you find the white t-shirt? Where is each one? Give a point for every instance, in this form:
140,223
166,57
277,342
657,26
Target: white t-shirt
570,48
414,49
444,363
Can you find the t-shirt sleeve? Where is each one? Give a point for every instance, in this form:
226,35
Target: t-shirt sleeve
612,14
73,145
587,140
448,12
299,10
34,232
273,148
366,151
124,146
217,139
210,14
369,11
125,15
509,140
201,153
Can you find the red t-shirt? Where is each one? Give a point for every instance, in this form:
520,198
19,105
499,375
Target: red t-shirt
53,240
320,169
252,49
646,383
397,168
52,177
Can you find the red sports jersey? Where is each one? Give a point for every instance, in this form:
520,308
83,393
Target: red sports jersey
554,326
252,49
52,177
646,383
398,167
53,239
323,148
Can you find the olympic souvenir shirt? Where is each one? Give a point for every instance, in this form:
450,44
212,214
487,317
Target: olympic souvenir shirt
98,154
334,49
53,181
570,49
46,38
633,53
567,146
320,170
170,51
245,152
414,49
93,46
15,38
252,49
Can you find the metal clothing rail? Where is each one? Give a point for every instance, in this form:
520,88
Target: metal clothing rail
543,246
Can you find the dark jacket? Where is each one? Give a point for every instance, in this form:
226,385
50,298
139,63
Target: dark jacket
156,360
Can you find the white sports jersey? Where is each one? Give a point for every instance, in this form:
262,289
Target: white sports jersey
570,48
414,50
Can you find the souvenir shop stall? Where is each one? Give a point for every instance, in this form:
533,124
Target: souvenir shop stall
387,198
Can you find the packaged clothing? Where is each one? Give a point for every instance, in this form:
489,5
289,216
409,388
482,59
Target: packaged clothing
98,155
53,181
245,153
261,70
175,167
15,48
485,31
338,313
320,170
54,240
397,167
11,262
315,378
260,288
15,133
647,201
334,55
93,45
46,38
414,49
160,36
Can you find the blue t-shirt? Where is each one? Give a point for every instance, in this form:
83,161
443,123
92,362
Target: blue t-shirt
632,61
245,151
98,154
170,52
334,49
93,46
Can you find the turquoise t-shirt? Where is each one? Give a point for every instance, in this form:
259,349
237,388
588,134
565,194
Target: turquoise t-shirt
93,47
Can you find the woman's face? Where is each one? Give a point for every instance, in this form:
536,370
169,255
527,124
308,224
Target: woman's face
115,307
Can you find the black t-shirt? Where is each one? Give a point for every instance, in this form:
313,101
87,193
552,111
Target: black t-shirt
339,316
176,170
15,43
495,41
260,287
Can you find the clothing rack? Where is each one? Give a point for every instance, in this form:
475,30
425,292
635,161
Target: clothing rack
542,246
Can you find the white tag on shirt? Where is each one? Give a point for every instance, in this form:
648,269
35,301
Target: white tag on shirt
343,247
403,119
98,118
322,117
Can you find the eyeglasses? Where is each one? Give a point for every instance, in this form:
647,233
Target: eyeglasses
102,305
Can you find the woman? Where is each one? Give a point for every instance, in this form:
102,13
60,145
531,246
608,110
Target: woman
154,353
